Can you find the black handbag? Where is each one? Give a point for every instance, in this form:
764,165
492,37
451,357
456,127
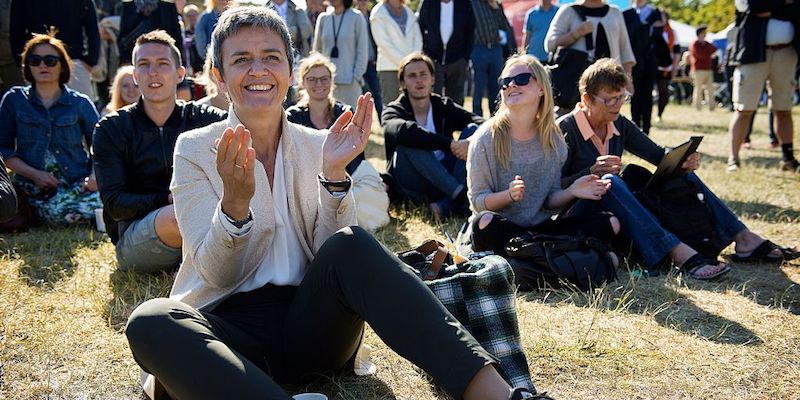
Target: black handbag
566,66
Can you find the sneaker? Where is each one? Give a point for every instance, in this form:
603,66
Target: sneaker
790,165
523,393
733,166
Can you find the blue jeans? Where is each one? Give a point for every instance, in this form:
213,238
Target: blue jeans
487,64
371,79
645,231
422,178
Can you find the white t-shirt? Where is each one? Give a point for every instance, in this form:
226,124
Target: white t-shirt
285,262
446,21
283,10
431,128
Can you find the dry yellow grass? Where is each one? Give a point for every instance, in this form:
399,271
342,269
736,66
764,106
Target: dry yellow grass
63,306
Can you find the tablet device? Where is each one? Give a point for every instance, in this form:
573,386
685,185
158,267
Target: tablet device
670,165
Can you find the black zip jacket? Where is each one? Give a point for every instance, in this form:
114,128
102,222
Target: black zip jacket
133,159
751,38
460,44
400,127
8,197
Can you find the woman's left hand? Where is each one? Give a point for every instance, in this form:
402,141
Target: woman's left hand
589,187
347,138
692,162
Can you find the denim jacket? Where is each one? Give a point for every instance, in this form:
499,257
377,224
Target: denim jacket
28,130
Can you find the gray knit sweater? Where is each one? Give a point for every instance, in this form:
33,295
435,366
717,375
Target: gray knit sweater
542,176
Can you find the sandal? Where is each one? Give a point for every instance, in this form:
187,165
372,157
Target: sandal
763,253
697,262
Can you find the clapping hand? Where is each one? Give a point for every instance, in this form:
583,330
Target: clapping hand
516,189
692,162
589,187
236,161
347,138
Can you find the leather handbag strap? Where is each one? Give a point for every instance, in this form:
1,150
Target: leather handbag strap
439,252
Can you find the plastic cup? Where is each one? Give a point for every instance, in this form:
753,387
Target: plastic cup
98,219
310,396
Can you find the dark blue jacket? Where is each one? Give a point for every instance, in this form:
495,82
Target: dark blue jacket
28,130
460,44
751,38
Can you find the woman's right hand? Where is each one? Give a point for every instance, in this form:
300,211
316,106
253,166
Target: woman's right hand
44,179
236,160
516,189
584,29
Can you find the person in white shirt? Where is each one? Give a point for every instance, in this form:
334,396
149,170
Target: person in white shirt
275,287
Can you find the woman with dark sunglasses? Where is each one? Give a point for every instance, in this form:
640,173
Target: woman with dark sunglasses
514,167
45,134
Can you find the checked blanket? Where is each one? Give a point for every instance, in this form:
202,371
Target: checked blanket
481,295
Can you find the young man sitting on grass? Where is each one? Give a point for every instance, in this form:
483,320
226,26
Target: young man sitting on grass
427,164
132,152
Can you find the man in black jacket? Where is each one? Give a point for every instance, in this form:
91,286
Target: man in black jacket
448,29
132,151
427,164
767,45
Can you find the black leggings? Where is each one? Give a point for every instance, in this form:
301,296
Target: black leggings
500,230
241,348
663,93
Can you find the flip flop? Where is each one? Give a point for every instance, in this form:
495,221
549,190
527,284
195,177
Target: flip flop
696,262
762,253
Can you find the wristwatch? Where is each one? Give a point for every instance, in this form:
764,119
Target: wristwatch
240,223
335,186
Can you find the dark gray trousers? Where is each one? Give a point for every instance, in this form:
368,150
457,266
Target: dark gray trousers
252,341
450,80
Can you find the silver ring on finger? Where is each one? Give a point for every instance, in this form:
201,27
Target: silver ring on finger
238,166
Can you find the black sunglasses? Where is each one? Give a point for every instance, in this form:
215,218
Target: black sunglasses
519,80
36,60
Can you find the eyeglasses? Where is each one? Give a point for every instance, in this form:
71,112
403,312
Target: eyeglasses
314,80
519,80
36,60
613,101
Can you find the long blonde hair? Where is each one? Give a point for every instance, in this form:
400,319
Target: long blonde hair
116,101
306,65
545,123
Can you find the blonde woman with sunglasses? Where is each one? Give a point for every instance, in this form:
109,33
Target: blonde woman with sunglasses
514,167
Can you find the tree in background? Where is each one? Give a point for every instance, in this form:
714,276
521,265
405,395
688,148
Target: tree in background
717,14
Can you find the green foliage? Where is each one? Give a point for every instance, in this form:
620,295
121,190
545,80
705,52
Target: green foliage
717,14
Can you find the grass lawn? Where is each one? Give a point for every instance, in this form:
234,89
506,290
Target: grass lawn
63,306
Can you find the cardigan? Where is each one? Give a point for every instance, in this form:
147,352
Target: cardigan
568,20
583,153
392,44
215,263
352,44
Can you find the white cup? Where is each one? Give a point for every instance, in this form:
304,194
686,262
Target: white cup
98,219
310,396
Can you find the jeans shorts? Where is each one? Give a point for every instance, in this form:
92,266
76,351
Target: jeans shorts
139,249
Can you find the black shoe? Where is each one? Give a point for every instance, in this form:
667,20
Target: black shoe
522,393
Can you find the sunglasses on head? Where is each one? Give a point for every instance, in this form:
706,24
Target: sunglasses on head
519,80
36,60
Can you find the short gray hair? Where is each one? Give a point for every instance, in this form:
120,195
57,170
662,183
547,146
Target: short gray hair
234,19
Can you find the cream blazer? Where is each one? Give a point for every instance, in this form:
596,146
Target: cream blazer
216,263
392,44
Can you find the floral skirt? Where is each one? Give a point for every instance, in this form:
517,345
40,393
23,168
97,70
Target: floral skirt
65,205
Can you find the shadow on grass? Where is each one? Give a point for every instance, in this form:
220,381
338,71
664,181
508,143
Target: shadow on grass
658,298
764,284
763,211
131,289
748,161
346,386
47,253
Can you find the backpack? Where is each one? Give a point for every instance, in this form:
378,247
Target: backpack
550,260
679,206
